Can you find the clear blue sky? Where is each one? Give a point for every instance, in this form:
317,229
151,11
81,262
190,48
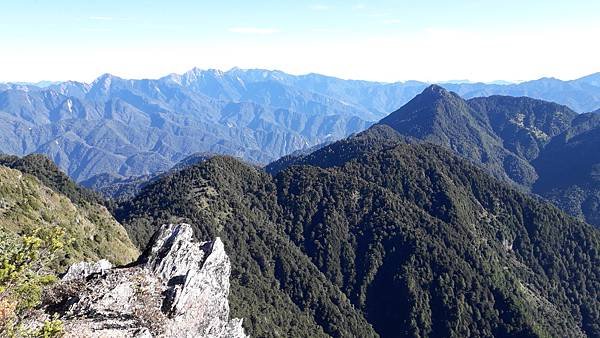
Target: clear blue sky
376,40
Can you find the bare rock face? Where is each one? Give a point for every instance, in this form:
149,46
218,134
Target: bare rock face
83,269
178,288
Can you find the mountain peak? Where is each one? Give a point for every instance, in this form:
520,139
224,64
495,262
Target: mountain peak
104,77
434,103
194,72
191,75
215,72
435,88
443,117
103,82
436,91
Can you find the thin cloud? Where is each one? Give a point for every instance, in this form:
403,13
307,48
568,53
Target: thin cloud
109,18
359,7
253,30
392,21
378,15
101,18
328,30
319,7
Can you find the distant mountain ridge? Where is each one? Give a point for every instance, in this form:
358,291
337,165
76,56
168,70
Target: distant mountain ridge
138,127
582,94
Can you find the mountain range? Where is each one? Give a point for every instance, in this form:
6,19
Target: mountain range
139,127
513,138
373,235
421,225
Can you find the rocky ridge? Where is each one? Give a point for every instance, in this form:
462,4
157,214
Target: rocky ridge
177,288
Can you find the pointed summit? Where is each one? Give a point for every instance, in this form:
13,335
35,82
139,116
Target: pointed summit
105,78
438,92
423,110
190,76
194,72
434,88
103,82
444,118
102,87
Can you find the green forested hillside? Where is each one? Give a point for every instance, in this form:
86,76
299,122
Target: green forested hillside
569,169
27,204
274,286
428,245
51,176
371,231
543,147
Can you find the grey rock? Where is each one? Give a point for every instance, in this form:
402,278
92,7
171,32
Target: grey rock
83,269
178,288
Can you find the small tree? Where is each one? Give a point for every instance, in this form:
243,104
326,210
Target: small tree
24,272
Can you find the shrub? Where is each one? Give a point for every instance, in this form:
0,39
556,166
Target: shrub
24,272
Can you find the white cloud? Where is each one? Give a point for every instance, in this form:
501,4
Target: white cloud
358,7
253,30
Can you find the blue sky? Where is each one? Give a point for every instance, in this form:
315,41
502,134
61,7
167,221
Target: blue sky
374,40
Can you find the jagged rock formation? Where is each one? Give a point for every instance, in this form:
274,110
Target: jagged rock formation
178,288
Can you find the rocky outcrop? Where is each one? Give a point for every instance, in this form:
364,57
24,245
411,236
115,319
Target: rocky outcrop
83,269
178,288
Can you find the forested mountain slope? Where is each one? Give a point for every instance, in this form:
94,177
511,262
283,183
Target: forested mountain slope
276,287
407,237
525,125
50,175
27,204
569,169
442,117
541,146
